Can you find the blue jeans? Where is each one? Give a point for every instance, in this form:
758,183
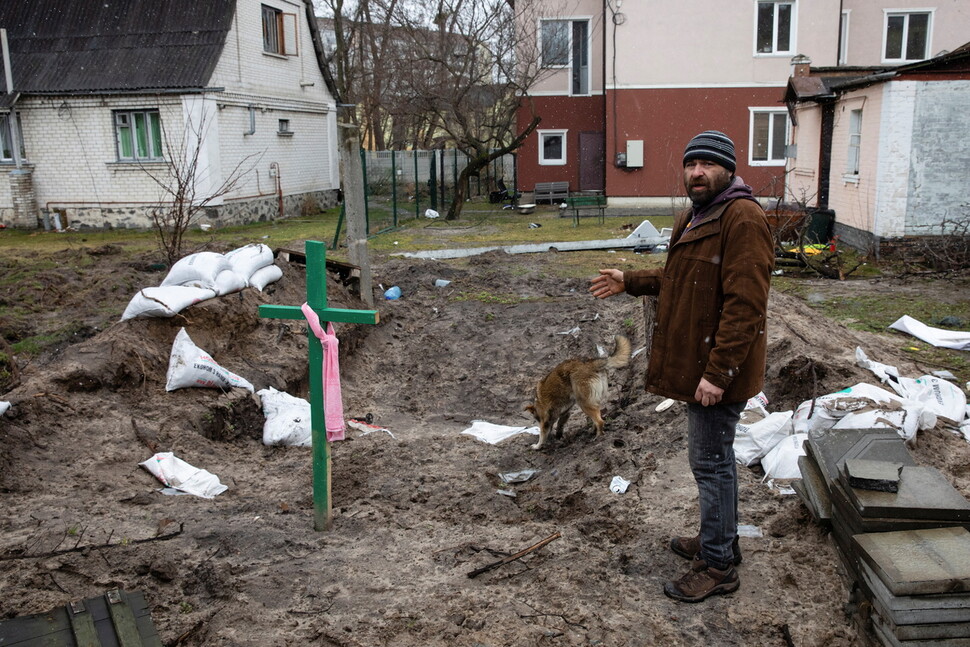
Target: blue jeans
710,451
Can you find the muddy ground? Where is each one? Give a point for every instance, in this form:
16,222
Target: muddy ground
416,509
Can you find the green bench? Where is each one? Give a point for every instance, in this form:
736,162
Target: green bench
586,205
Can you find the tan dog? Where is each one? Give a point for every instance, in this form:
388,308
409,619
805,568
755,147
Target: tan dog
576,381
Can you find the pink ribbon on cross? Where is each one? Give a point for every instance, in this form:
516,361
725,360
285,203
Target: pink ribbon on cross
333,406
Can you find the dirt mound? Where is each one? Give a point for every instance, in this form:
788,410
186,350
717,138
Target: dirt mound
418,507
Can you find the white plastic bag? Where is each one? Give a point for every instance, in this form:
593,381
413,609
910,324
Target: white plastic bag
264,276
164,301
197,270
175,473
782,461
250,258
755,435
287,419
190,366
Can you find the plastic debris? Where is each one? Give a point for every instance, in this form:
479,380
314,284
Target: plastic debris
392,293
179,476
494,434
666,404
517,477
619,485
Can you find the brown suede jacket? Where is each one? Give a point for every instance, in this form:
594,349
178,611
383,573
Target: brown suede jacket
712,304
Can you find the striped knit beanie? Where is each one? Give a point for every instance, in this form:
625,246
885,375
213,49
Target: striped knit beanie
714,146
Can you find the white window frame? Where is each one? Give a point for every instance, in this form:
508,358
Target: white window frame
6,138
889,13
771,112
561,161
280,38
853,157
793,28
844,37
124,120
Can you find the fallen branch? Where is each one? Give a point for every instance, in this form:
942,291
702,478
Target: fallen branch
76,548
512,558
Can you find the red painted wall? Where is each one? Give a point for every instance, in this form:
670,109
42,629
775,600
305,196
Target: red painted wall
665,119
575,114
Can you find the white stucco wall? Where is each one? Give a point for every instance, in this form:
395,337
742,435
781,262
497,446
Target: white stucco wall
853,198
801,180
893,162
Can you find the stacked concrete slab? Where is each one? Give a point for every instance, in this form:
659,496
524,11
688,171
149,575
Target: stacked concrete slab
901,531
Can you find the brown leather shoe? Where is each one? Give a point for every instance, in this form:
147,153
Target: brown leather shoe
690,547
701,582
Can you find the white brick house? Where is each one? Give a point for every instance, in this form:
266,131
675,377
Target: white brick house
115,93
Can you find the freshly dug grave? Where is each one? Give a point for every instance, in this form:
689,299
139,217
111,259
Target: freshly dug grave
416,508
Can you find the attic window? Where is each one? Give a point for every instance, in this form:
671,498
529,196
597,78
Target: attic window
279,32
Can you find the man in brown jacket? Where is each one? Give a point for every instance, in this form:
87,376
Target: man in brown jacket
709,344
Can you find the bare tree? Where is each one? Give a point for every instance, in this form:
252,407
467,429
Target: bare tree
187,186
447,72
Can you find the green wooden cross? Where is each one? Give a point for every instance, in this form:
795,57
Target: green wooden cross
316,288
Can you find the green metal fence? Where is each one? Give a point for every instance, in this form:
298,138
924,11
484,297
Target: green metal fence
400,185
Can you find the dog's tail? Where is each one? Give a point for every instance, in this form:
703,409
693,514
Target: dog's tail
621,354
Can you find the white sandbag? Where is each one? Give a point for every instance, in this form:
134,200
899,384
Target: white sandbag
230,281
287,419
904,418
197,270
264,276
164,301
177,474
943,398
828,409
782,461
190,366
755,434
250,258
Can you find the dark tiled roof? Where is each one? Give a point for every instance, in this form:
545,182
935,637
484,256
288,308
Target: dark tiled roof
99,46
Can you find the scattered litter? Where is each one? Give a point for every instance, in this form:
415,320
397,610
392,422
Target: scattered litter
946,375
943,338
572,331
494,434
392,293
517,477
190,366
534,225
287,419
205,226
509,493
3,407
511,558
778,272
638,351
619,485
593,318
441,283
431,213
745,530
179,476
666,404
367,428
781,488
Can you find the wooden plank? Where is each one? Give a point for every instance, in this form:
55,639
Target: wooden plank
82,624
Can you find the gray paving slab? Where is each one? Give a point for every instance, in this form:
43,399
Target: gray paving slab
835,446
885,634
816,497
856,523
914,609
918,562
868,474
924,493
